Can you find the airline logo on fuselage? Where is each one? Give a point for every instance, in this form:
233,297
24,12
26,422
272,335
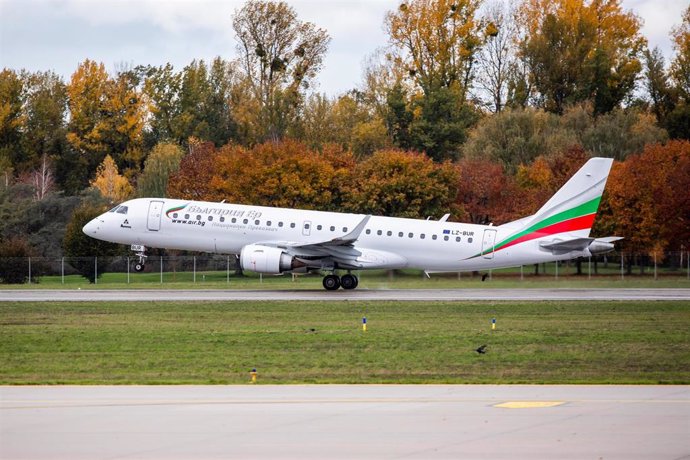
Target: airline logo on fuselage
174,209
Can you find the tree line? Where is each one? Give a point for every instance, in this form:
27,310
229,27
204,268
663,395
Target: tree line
477,108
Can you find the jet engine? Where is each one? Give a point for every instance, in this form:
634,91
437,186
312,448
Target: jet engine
267,259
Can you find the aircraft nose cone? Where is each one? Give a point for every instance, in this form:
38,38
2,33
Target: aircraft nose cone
91,228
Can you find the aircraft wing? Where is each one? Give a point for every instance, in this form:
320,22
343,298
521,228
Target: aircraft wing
326,254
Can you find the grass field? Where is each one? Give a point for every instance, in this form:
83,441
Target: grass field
319,342
403,279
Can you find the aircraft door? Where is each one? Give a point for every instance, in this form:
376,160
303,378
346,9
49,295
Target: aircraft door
488,243
306,228
155,211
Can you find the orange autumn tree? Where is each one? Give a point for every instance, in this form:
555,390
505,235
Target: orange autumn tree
486,193
402,184
285,174
192,180
649,199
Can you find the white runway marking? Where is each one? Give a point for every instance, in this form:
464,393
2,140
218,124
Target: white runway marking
135,295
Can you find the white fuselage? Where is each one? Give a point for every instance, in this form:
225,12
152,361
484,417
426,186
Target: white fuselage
386,242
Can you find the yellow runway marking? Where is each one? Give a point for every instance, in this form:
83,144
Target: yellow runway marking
529,404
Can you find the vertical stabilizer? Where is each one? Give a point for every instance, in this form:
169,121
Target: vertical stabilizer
571,210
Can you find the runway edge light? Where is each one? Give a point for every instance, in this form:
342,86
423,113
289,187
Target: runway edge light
364,323
493,324
252,374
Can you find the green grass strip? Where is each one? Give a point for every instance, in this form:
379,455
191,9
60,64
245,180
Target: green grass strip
321,342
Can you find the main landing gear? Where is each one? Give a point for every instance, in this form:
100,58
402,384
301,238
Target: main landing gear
333,282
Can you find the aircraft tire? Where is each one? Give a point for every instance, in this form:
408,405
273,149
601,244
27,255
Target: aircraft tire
138,267
349,281
331,282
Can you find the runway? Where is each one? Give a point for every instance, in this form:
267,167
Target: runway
136,295
345,421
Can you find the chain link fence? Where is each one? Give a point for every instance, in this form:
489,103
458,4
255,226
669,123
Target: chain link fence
221,268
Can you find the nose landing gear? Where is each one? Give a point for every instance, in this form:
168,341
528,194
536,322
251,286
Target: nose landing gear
333,282
141,254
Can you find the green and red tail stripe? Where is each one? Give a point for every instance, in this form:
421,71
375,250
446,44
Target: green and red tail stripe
578,218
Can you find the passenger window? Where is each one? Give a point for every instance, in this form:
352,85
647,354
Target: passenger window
245,221
280,224
210,218
345,229
433,237
445,238
368,232
389,233
198,217
306,226
400,234
292,225
186,216
469,240
379,232
222,219
422,236
410,235
234,220
174,215
319,227
332,228
268,223
457,238
256,222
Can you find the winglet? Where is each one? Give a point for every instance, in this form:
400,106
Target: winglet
354,234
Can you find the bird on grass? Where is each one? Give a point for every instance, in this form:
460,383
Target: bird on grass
481,350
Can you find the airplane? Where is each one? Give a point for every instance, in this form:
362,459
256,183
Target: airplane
271,240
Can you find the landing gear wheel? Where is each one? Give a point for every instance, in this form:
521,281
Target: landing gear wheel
349,281
138,267
331,282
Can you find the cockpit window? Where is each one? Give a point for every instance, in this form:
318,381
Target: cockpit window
115,208
122,210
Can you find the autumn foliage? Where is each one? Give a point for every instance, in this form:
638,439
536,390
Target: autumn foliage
649,198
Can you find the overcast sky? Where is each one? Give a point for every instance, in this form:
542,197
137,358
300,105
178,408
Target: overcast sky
59,34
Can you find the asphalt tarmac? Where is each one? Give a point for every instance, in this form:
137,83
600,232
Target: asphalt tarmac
133,295
345,422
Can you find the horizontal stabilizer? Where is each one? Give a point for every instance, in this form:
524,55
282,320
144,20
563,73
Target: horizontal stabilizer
594,245
562,247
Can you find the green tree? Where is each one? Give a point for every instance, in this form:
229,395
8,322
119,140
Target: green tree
43,127
14,260
87,255
657,85
678,121
11,119
162,87
163,160
514,137
435,44
579,51
680,66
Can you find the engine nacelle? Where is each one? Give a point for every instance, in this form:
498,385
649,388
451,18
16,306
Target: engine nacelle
266,259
